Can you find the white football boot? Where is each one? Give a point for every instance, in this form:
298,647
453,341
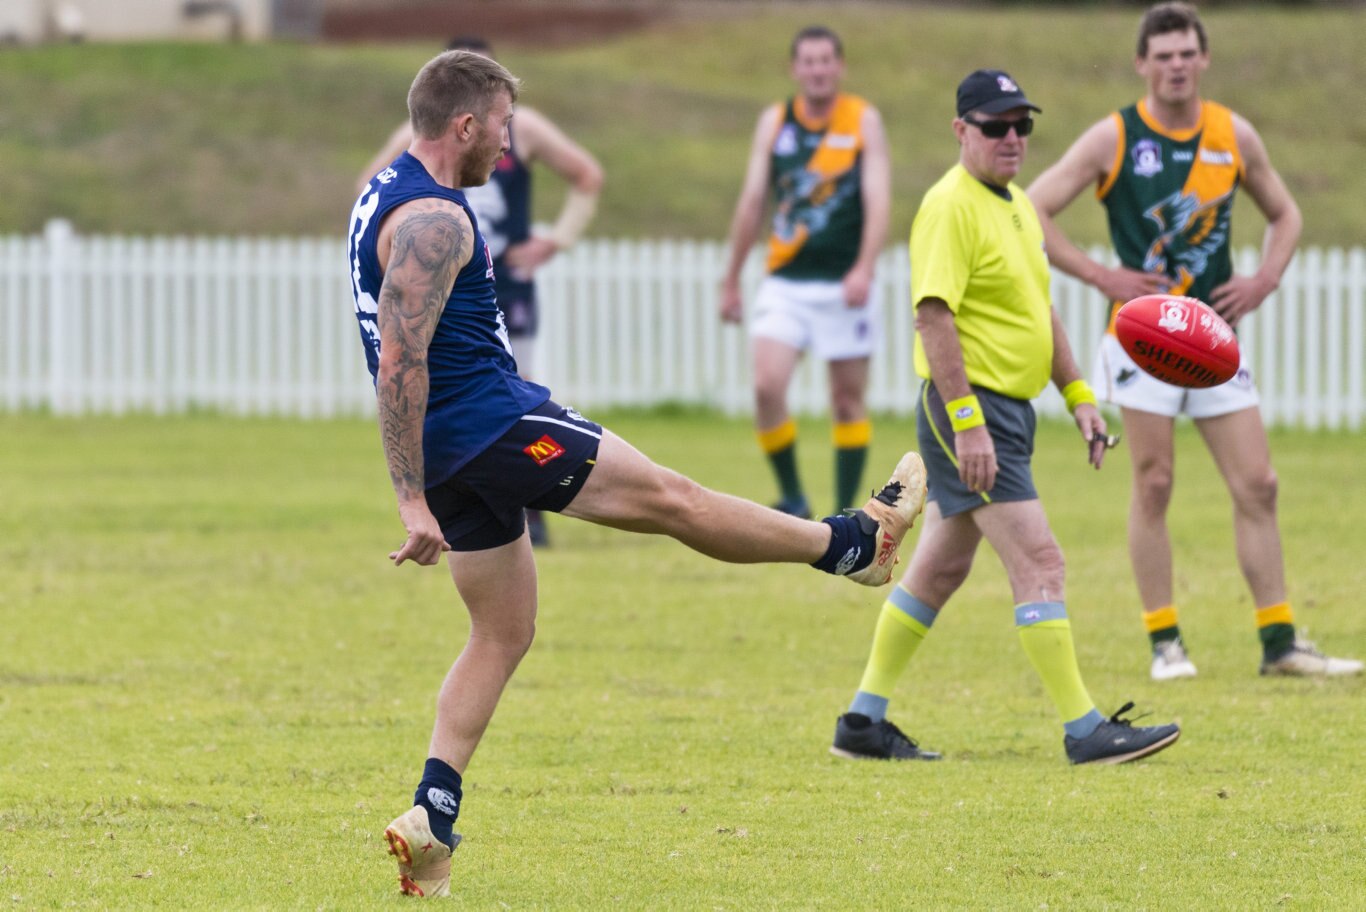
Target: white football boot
894,509
424,862
1304,661
1170,661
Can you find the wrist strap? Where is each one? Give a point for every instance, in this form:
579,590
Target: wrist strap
965,413
1076,393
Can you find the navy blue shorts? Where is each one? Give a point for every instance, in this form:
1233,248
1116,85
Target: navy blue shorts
1011,423
541,463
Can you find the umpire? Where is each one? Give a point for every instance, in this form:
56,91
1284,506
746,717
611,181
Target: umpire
987,342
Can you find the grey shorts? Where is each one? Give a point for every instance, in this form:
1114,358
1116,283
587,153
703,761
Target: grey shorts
1011,423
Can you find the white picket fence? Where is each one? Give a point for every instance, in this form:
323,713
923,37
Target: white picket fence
264,326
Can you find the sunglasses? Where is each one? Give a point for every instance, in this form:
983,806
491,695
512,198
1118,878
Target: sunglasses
997,129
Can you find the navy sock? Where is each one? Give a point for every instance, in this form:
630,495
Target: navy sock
439,792
852,544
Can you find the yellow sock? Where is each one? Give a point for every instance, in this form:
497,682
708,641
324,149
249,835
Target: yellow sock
1161,624
1046,635
851,455
773,439
780,445
1276,629
902,626
851,434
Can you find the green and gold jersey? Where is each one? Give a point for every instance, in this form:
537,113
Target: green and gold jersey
982,254
816,169
1169,197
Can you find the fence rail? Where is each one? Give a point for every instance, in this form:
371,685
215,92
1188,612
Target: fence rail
105,325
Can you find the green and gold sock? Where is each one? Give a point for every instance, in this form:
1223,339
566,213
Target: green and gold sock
780,446
902,626
851,455
1276,628
1046,635
1161,624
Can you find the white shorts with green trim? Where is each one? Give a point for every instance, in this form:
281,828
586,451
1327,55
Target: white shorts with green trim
1119,381
812,316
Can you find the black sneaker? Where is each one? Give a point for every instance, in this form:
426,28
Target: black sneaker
859,738
1116,740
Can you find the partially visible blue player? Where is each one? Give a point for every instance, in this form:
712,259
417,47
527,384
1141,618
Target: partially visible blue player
503,208
470,444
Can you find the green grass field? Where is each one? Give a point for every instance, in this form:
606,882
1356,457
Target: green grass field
215,692
268,139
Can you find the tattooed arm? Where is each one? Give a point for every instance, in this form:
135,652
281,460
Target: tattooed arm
425,243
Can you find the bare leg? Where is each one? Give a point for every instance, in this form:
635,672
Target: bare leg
774,364
848,388
498,587
1020,535
1238,444
627,491
1151,447
943,556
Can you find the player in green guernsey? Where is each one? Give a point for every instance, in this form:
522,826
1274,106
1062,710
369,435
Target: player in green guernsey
822,157
1166,170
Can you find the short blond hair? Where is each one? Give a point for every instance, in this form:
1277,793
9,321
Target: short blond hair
455,83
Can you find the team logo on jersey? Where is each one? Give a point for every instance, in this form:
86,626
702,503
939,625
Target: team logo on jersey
386,175
1006,83
1147,155
1191,233
544,450
1175,317
786,143
1215,157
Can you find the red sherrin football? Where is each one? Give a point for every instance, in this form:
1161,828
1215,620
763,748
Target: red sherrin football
1178,340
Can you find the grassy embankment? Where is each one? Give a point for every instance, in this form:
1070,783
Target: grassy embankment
268,139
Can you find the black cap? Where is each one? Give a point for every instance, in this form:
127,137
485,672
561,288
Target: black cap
991,92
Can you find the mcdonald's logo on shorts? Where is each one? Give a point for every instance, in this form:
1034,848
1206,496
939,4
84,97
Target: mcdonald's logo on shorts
544,450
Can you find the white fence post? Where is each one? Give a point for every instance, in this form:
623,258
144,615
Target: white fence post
61,329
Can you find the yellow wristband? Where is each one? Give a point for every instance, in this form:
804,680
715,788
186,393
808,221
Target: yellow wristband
1076,393
965,413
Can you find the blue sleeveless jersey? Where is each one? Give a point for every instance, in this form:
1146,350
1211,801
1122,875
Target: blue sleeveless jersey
475,394
503,206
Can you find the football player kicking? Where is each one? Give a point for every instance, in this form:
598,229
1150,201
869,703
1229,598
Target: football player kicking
470,444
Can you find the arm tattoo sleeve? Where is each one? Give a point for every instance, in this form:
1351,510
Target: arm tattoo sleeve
429,247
